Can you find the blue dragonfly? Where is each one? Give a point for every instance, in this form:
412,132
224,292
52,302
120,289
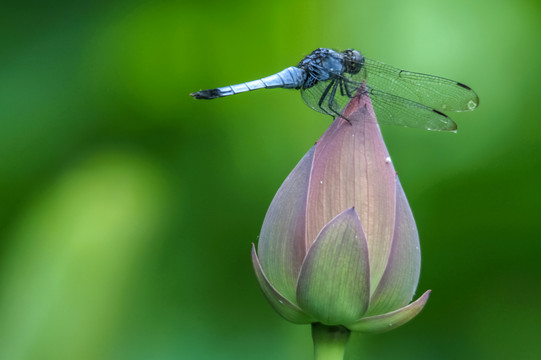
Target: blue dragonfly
328,79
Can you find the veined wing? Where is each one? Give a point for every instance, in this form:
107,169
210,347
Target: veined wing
390,109
394,110
319,96
433,91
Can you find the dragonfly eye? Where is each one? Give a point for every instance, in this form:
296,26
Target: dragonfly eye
353,61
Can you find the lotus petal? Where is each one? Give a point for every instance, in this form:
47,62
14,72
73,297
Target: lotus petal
284,307
282,244
401,276
334,284
352,168
392,320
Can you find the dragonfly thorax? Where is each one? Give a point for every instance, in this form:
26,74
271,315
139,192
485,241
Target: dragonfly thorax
321,65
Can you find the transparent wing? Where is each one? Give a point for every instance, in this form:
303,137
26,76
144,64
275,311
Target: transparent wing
432,91
394,110
319,96
390,109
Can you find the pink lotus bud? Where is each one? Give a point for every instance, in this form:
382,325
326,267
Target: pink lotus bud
339,243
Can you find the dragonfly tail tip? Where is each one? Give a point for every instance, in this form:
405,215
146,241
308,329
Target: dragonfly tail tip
206,94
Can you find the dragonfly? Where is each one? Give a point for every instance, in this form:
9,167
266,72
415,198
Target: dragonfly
328,79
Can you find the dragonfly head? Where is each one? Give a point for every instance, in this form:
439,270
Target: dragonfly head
353,61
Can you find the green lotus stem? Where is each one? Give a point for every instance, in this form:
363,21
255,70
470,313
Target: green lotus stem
329,341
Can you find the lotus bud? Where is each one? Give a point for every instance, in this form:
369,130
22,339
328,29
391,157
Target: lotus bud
339,245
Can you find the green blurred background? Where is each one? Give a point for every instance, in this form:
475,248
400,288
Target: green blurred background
128,208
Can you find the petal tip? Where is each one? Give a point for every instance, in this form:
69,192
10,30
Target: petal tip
391,320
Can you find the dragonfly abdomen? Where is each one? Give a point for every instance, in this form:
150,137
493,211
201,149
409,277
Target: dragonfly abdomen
289,78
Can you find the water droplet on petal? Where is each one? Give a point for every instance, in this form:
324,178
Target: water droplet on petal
388,159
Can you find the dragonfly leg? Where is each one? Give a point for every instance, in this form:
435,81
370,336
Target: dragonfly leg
331,99
349,92
323,96
343,89
333,94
